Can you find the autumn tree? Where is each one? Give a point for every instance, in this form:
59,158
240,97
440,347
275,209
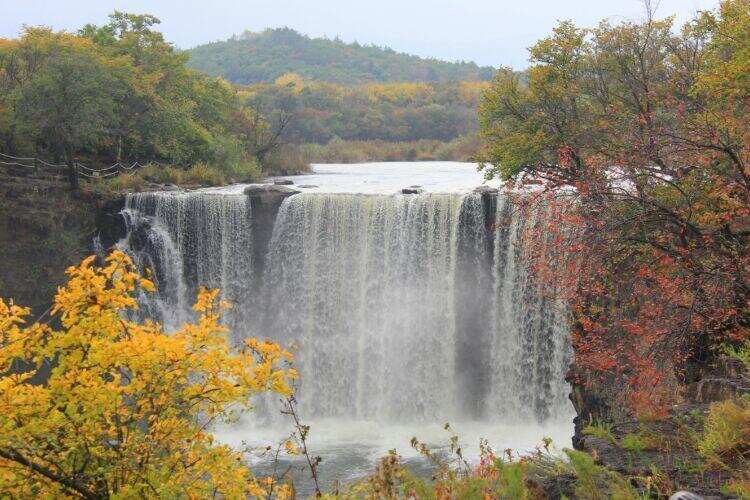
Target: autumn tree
173,112
127,409
116,92
62,92
649,129
265,120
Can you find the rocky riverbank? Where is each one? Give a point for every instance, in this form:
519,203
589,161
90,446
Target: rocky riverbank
671,453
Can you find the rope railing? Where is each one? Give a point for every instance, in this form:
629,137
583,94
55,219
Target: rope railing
38,166
16,157
106,172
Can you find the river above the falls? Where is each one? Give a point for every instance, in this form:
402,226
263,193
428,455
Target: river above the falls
408,310
385,178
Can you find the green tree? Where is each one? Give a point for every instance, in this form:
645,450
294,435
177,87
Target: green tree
66,96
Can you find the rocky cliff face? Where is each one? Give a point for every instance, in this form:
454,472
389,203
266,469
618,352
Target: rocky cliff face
265,201
44,229
110,225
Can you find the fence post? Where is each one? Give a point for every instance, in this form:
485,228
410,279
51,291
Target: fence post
73,176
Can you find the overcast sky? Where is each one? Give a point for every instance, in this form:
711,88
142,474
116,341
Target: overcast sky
490,32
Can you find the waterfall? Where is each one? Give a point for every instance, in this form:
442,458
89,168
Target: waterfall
190,240
530,349
404,308
365,284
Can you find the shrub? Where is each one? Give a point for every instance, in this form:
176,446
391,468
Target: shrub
726,436
634,443
338,151
594,482
162,174
741,353
288,159
123,183
205,175
739,488
244,171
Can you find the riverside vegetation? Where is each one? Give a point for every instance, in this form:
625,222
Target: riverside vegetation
121,93
650,129
648,126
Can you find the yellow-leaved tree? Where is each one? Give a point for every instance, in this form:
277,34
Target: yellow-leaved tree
126,409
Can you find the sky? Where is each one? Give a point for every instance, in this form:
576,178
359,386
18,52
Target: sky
489,32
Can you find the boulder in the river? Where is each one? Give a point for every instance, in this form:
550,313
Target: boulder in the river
307,186
485,190
283,182
412,190
269,190
255,189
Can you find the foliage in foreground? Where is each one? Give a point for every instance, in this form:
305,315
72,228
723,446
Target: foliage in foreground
125,410
533,476
698,448
726,439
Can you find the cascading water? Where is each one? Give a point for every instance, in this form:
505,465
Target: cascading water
400,314
365,285
530,349
405,309
190,240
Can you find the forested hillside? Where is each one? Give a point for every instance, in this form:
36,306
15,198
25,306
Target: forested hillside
389,112
265,56
327,122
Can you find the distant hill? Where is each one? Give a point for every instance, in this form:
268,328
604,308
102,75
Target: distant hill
263,57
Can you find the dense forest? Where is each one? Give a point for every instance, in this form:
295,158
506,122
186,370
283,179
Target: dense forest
383,121
264,57
120,92
113,93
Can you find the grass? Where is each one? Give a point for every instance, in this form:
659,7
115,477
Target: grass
204,175
200,174
741,353
601,430
633,443
638,442
726,436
